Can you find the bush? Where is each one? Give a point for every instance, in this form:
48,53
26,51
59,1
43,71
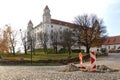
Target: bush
50,51
39,50
63,50
0,57
78,50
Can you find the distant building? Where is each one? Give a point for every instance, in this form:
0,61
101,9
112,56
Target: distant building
48,25
112,44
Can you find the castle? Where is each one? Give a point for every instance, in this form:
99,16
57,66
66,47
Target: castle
47,25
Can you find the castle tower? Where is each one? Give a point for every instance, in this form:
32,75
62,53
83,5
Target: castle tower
29,32
46,15
30,26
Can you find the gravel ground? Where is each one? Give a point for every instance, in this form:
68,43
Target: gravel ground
52,72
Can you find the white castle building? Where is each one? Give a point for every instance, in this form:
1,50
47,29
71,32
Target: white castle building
48,25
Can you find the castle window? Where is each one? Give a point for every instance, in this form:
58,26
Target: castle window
51,31
60,32
67,29
51,26
60,37
74,30
60,27
52,37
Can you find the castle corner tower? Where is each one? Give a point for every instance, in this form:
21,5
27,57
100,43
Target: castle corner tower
46,15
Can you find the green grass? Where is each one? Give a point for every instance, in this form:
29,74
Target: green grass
37,56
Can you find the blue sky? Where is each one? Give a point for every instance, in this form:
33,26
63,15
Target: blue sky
112,18
17,13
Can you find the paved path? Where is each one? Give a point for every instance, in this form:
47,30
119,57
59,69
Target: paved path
52,73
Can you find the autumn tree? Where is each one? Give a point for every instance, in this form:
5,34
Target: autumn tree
8,40
11,39
92,30
3,42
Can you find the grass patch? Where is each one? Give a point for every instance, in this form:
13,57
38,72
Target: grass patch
37,56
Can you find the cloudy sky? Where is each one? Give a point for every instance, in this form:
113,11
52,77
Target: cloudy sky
17,13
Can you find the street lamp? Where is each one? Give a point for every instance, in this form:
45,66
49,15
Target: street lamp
31,51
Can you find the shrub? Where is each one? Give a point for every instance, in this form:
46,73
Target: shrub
78,50
50,51
63,50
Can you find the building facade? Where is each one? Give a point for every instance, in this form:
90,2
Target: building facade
48,25
112,44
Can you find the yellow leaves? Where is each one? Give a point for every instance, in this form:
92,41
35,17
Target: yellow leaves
6,40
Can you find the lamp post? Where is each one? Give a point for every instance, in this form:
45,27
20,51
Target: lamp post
31,51
30,43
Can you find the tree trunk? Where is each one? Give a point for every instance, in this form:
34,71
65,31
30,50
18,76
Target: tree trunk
87,49
45,49
13,49
69,51
25,49
56,49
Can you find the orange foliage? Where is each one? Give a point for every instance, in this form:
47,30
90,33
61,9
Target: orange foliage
5,41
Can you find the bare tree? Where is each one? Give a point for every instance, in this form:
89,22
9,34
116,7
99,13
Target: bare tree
13,41
92,30
55,40
68,39
34,42
43,40
24,40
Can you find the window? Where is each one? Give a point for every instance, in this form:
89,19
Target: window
51,26
52,37
60,37
60,32
60,27
51,31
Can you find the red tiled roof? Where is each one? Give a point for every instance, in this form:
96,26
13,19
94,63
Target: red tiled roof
72,25
46,7
112,40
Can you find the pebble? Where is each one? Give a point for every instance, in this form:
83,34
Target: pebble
53,72
45,73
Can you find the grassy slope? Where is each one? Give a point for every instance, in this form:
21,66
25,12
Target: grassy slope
37,56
